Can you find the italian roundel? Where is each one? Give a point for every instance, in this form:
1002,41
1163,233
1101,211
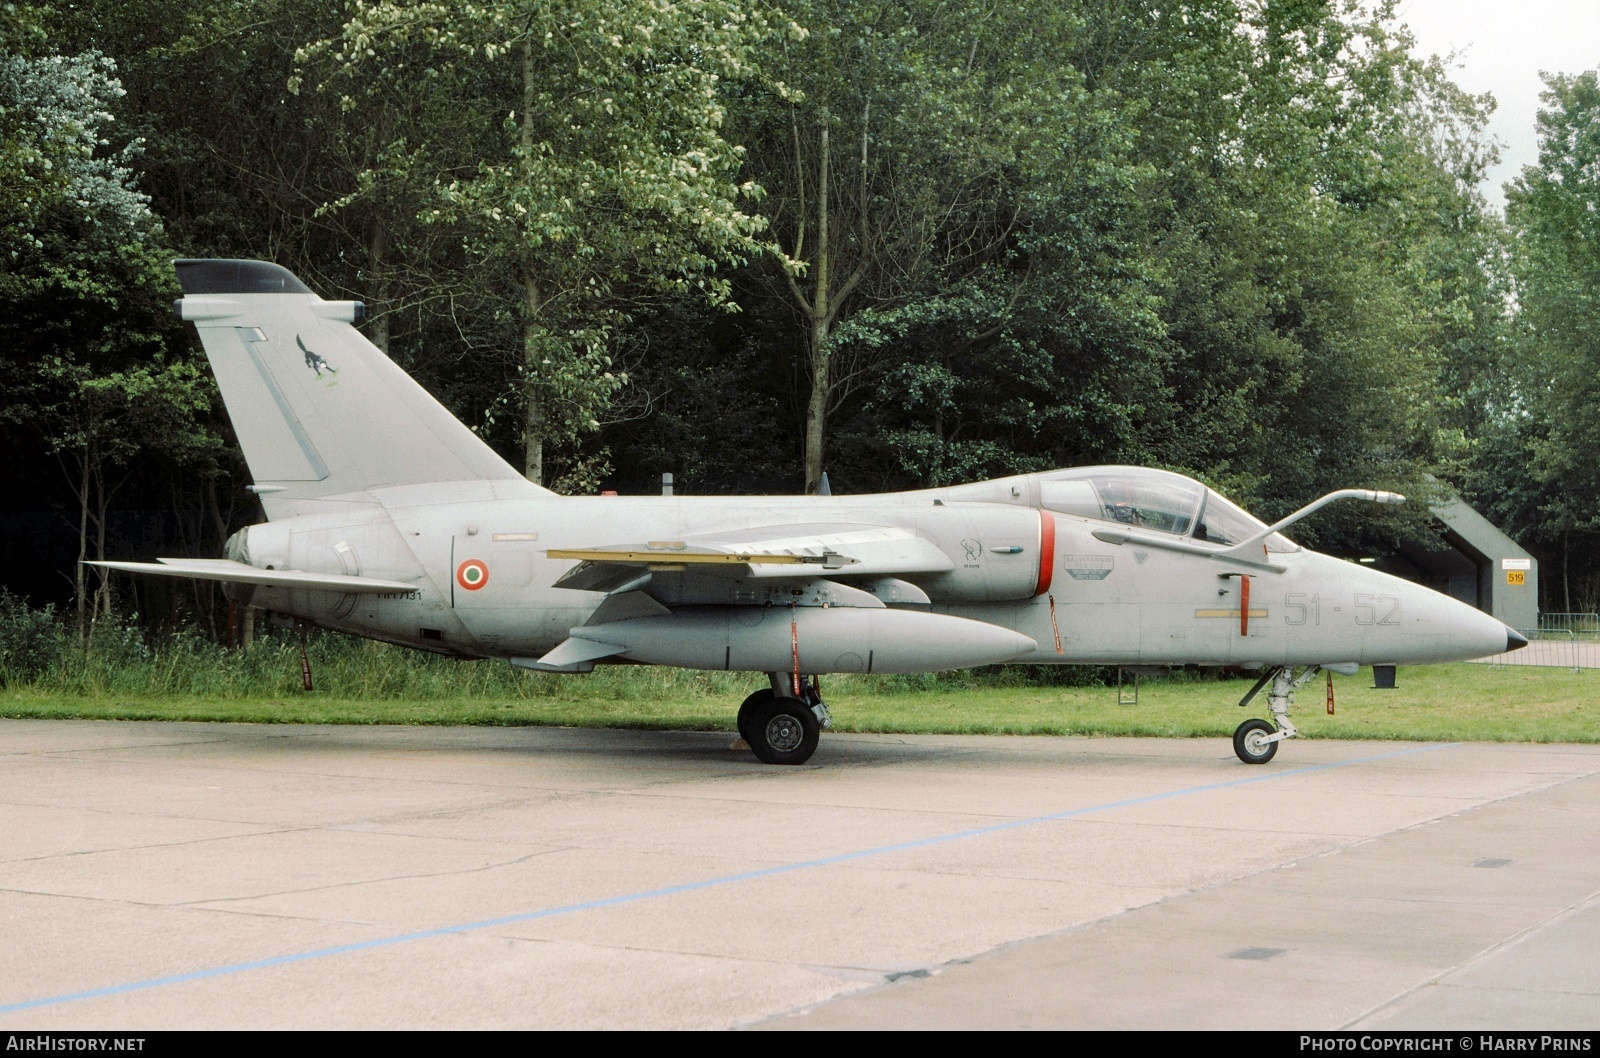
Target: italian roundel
472,574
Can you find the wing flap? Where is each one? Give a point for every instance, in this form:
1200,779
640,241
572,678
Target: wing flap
232,572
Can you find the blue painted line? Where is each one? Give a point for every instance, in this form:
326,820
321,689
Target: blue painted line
689,887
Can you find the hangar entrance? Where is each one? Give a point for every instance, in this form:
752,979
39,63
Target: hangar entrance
1480,566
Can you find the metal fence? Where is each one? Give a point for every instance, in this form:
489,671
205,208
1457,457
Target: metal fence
1550,648
1582,625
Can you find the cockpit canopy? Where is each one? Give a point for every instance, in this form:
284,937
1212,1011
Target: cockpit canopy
1157,500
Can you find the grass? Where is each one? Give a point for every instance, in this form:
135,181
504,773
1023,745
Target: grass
1431,703
123,673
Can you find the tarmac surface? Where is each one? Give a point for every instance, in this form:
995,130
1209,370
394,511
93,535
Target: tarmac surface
158,875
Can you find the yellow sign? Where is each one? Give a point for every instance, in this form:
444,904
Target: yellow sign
1516,576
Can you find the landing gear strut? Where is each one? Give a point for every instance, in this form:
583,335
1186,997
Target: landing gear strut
1256,741
780,728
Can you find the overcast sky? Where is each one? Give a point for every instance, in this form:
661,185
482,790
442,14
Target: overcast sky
1503,45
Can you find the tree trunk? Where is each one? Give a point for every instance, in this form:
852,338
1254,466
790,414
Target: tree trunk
817,405
376,250
219,519
378,244
1566,568
533,418
78,585
103,589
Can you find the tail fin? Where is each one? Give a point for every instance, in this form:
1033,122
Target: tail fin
318,409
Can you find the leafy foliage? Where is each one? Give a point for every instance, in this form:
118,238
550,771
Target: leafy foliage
598,175
908,243
88,354
1546,421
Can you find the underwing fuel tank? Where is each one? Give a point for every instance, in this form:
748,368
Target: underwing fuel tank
827,640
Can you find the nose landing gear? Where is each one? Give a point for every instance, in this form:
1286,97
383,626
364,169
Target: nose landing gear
1256,741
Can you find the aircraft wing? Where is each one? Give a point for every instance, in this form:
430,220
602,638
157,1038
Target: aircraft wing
232,572
766,551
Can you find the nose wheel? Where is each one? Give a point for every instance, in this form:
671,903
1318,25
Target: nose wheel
1253,741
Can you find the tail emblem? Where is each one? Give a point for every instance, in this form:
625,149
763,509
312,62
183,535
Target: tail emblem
315,360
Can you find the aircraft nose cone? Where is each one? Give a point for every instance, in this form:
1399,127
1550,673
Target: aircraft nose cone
1515,640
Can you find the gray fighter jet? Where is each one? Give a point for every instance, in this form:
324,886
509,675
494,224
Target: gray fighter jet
388,518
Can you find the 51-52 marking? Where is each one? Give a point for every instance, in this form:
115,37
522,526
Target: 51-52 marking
1301,608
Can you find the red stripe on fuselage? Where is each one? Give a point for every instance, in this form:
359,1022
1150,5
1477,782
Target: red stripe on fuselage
1047,552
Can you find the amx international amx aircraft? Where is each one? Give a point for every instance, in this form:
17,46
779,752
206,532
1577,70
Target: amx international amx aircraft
390,519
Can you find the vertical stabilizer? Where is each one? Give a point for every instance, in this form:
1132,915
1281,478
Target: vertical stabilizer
319,410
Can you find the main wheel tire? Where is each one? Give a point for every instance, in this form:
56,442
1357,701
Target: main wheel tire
1249,742
748,708
783,731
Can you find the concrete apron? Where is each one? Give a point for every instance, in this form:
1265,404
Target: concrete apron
243,876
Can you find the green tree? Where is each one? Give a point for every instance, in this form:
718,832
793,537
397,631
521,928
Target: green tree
91,363
1293,181
895,156
1554,209
603,180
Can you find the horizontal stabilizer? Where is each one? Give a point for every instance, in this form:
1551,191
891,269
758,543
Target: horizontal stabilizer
232,572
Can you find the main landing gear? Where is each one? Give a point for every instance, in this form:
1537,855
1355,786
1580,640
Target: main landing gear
1256,741
780,728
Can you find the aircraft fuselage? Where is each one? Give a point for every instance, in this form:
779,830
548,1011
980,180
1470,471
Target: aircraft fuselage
484,579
